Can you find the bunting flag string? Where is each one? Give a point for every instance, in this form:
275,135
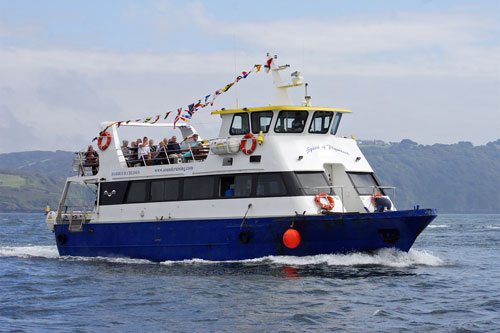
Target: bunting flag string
194,107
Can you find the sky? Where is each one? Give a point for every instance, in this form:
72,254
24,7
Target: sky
423,70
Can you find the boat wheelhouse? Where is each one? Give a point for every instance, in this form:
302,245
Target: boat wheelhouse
277,180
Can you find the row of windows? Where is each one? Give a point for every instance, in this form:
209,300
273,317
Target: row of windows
215,187
287,122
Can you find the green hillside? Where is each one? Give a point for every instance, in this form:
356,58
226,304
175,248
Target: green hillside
56,164
452,178
28,191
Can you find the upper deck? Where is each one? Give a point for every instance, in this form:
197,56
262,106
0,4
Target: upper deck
278,137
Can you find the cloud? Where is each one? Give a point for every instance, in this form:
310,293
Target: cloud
15,133
19,31
415,75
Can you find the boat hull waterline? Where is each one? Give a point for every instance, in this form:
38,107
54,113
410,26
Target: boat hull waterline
238,239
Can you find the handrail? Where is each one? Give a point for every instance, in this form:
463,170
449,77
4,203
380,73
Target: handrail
332,187
393,188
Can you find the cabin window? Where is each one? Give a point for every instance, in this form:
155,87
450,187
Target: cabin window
112,193
164,190
314,182
198,188
157,190
136,192
240,124
235,186
336,123
261,121
291,122
171,189
270,184
321,122
364,183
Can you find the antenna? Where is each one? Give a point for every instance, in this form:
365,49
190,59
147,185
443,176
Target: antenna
307,98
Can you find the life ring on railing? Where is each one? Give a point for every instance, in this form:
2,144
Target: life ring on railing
244,144
108,140
376,195
328,206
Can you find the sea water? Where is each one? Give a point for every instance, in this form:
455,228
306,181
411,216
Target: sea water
449,281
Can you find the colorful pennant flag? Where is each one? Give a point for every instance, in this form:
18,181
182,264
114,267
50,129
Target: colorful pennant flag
193,107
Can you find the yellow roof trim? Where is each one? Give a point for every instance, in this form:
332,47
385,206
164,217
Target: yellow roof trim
282,107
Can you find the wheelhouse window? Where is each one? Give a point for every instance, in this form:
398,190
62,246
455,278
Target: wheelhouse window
364,183
270,184
261,121
336,123
314,182
240,124
291,122
321,122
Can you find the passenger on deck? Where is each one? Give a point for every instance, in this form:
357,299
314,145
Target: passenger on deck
125,149
132,158
195,144
152,148
161,155
174,149
144,154
92,159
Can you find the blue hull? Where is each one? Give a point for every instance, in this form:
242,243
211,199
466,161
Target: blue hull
229,239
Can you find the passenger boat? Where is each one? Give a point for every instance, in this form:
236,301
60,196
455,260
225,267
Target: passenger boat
278,180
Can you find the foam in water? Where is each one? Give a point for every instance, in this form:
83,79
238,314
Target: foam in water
30,251
437,226
384,257
491,227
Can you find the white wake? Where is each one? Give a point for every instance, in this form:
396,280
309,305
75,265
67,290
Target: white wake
384,257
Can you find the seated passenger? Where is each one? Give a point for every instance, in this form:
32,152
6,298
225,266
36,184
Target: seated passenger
144,154
92,159
230,191
161,155
132,157
173,149
152,148
195,145
125,148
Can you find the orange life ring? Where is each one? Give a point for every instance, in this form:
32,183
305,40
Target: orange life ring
108,141
244,144
376,195
329,206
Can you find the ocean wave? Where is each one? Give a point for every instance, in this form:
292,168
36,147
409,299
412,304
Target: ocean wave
30,251
490,227
437,226
383,257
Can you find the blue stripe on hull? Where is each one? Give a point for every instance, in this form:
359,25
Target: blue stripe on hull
218,239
